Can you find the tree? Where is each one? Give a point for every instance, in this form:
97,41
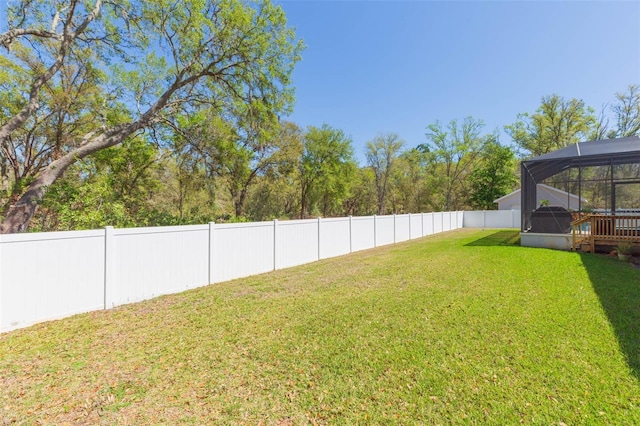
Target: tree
411,191
362,197
278,194
70,23
556,124
113,187
325,170
493,177
381,154
189,191
63,115
254,155
160,59
452,153
626,111
237,152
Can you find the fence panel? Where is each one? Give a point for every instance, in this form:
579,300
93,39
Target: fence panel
335,237
437,222
492,219
241,249
296,242
427,223
50,275
516,218
403,227
384,230
362,233
474,219
416,225
498,219
447,221
156,261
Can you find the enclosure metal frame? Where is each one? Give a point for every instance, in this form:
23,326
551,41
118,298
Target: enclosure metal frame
610,152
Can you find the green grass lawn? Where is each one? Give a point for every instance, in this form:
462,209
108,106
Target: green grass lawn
459,328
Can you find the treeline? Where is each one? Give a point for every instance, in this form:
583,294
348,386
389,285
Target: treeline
211,169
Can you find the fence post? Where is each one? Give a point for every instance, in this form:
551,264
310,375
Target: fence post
109,262
422,224
275,244
212,229
319,221
409,225
433,223
394,228
350,234
484,219
375,231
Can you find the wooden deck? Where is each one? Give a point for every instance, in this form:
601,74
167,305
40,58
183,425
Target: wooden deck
590,232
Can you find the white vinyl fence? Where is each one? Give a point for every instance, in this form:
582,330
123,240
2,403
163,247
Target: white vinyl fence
492,219
50,275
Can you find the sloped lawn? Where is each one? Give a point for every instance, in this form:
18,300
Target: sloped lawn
460,328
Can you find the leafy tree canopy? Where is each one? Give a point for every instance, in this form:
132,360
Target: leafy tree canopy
557,123
493,177
138,64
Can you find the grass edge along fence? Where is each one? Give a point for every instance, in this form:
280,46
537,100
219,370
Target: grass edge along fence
52,275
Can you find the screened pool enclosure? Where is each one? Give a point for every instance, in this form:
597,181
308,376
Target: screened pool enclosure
606,173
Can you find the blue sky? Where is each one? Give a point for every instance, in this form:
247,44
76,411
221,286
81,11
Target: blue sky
397,66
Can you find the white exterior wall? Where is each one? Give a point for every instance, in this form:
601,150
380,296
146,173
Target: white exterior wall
52,275
556,197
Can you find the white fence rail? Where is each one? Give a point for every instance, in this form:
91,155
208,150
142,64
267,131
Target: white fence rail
51,275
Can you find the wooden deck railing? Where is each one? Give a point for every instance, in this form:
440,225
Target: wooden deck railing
580,231
605,228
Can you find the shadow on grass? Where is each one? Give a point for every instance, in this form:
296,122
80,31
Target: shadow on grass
618,288
499,238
